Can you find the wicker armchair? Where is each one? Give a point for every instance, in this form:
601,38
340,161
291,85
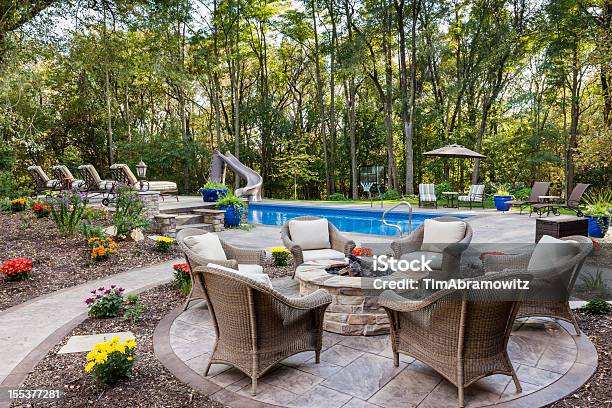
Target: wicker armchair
256,326
235,256
451,256
338,242
557,281
463,335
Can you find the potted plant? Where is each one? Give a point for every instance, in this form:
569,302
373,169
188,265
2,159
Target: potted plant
500,197
598,212
211,191
233,207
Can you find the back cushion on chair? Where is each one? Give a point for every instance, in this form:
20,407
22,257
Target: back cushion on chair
206,245
550,251
310,234
437,235
257,277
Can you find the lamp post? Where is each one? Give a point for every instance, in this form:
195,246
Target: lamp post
141,171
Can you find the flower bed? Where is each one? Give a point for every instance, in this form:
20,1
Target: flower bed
148,384
62,261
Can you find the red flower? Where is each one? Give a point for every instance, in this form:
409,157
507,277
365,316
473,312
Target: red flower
181,267
14,267
363,251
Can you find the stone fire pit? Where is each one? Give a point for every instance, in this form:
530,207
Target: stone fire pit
354,311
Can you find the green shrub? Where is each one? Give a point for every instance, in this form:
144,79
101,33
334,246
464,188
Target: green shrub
521,193
280,256
597,306
67,212
595,283
164,244
442,188
336,197
130,212
214,186
91,230
111,361
501,189
94,214
8,186
105,302
5,205
391,194
230,200
132,308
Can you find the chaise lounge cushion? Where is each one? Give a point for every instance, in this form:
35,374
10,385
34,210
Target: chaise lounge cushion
159,185
435,257
550,251
310,234
257,277
318,254
437,235
206,245
53,183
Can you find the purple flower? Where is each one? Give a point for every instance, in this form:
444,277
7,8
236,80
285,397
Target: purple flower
93,291
107,291
98,296
101,288
121,289
113,286
89,300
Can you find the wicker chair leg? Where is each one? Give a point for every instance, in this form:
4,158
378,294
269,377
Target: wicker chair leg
317,356
575,323
186,304
396,359
253,385
460,396
207,369
517,384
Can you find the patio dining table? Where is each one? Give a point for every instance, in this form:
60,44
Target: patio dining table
451,199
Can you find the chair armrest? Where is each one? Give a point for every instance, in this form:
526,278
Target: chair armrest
341,243
196,260
244,255
497,263
293,247
316,299
409,244
392,301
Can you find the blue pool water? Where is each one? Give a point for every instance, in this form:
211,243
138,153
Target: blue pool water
347,220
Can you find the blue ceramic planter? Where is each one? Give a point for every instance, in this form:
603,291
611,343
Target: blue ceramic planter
210,195
232,216
500,202
595,226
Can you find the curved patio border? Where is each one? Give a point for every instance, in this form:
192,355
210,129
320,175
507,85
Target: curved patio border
580,372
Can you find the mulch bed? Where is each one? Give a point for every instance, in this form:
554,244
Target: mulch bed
59,261
596,392
150,385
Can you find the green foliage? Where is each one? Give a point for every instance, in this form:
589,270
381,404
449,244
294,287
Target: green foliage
522,193
443,187
336,197
5,205
501,190
93,214
599,203
230,200
132,308
182,279
595,283
89,230
597,306
280,256
164,244
391,194
105,303
67,212
8,186
214,186
130,212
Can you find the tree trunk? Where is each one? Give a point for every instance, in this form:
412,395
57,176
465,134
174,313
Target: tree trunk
109,120
332,98
321,103
575,115
410,134
388,103
352,90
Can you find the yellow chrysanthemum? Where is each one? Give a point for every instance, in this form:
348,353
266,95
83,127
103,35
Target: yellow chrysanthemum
89,366
276,250
115,339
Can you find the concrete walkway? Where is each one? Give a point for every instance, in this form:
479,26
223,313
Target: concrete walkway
26,326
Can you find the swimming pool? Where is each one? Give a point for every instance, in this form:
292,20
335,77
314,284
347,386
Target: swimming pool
347,220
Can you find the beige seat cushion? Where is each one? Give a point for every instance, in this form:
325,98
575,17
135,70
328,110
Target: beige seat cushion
106,185
550,251
53,183
435,257
318,254
310,234
257,277
206,245
250,268
160,185
439,234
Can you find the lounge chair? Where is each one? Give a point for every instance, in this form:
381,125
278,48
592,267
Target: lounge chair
93,183
555,265
573,202
256,326
312,238
201,248
463,335
122,174
474,196
539,188
443,242
67,180
427,195
42,182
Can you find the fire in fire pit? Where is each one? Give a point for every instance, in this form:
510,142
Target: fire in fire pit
358,267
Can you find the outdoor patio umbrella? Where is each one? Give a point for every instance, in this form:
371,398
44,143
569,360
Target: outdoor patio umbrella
455,151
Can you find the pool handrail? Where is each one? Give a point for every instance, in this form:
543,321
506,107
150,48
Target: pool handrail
397,226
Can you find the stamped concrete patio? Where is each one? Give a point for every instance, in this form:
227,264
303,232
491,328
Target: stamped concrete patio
358,371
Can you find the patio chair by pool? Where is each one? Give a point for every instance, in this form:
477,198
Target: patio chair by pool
256,326
67,180
441,240
539,188
427,195
463,335
573,202
312,238
95,185
555,265
42,182
202,248
474,196
122,174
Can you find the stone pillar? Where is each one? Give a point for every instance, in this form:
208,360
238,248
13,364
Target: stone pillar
164,224
151,203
